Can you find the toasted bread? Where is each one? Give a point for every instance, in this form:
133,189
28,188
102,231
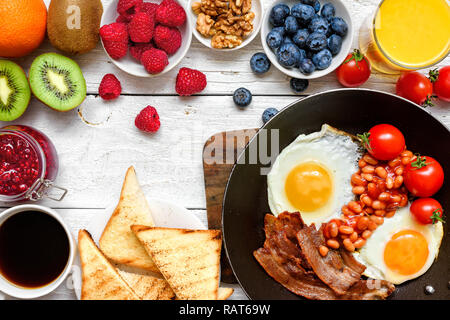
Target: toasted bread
188,259
101,281
118,242
148,287
224,293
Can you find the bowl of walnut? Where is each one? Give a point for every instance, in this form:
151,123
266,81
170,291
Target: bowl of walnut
226,25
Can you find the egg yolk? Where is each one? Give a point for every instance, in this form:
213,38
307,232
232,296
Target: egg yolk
407,252
308,186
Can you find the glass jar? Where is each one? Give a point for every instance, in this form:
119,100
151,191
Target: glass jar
403,35
28,165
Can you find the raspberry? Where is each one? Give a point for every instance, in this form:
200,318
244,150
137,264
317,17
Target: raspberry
138,49
190,81
154,60
148,120
141,28
167,39
170,14
149,8
128,8
110,87
115,39
122,19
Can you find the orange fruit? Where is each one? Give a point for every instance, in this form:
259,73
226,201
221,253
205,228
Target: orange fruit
22,26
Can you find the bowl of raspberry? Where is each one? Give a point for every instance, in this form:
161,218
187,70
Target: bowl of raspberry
146,38
307,39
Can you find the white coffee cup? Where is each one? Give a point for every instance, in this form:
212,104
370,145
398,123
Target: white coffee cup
14,290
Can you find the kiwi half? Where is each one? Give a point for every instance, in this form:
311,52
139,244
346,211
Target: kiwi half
14,91
57,81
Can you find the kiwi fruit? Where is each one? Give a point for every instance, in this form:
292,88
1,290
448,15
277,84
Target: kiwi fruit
73,25
57,81
14,91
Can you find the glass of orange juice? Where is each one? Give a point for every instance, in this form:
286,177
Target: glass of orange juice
406,35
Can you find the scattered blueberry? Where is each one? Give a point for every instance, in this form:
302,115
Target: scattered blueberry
288,55
274,39
328,11
316,41
334,44
300,37
319,24
278,14
322,59
268,114
299,85
317,6
242,97
303,13
339,26
306,66
260,63
290,25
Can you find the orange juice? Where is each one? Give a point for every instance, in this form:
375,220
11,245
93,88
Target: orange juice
406,34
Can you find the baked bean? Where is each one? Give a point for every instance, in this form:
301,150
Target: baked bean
399,171
358,190
367,176
381,186
389,183
404,201
380,213
334,244
348,244
372,190
378,205
346,211
372,225
398,182
362,223
406,160
346,230
369,210
393,206
384,196
406,153
366,200
359,243
389,214
366,234
334,231
396,198
367,158
362,163
355,207
394,162
381,172
353,237
323,251
358,180
343,236
368,169
377,220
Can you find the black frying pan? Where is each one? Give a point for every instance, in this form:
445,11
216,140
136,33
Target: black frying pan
354,111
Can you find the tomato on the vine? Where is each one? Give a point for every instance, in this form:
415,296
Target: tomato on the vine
427,210
415,87
383,141
441,82
424,176
354,71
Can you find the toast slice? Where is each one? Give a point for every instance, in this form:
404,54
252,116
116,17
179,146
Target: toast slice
118,242
101,281
188,259
148,287
224,293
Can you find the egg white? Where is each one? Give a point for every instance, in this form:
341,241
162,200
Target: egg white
334,150
372,253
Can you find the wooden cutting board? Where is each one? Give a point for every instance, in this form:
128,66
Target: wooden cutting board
219,155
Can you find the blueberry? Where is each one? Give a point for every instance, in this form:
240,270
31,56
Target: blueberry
242,97
319,24
278,14
299,85
306,66
274,39
334,44
317,6
308,2
288,55
287,40
316,41
260,63
290,25
280,30
268,114
339,26
300,37
328,11
303,13
322,59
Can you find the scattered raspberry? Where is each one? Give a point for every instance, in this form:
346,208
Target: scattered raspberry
170,13
141,28
190,81
154,60
138,49
128,8
110,87
167,39
115,39
149,8
148,120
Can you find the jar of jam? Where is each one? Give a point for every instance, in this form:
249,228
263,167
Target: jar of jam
28,165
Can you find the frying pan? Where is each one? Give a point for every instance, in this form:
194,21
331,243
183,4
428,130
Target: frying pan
354,111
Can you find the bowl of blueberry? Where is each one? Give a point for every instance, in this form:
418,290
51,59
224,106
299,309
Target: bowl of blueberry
307,39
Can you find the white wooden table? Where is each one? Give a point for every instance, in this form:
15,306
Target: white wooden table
94,158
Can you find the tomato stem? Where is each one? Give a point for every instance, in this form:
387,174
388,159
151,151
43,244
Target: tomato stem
433,75
357,56
436,216
419,163
365,140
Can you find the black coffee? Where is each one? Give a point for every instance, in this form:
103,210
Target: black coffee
34,249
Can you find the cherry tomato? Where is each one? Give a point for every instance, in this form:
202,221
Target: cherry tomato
415,87
383,141
426,210
441,82
423,177
354,71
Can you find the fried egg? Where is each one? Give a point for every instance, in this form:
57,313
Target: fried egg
401,248
312,175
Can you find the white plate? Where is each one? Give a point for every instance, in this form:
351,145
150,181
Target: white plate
164,213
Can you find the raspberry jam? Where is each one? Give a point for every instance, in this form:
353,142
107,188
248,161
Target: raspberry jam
27,159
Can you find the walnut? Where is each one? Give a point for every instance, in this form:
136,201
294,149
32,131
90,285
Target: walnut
240,26
197,7
204,24
240,6
221,40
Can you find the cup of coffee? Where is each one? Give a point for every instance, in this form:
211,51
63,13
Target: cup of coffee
37,251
